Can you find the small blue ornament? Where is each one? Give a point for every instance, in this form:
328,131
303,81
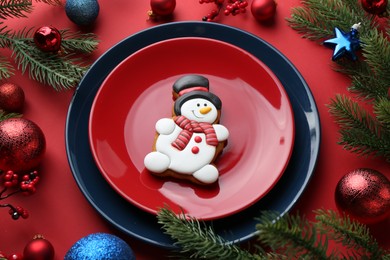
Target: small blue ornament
100,246
345,43
82,12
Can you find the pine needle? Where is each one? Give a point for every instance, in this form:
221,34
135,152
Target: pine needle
4,115
61,70
77,42
351,234
6,68
15,8
51,2
382,111
196,240
292,235
360,132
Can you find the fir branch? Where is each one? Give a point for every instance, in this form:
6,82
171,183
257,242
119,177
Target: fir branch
377,53
360,132
293,235
6,69
351,234
382,112
5,34
4,116
365,84
51,2
77,42
198,241
60,72
15,8
316,19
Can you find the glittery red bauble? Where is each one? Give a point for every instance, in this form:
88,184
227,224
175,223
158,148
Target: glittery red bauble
38,249
11,97
263,10
162,7
364,194
47,39
22,144
374,6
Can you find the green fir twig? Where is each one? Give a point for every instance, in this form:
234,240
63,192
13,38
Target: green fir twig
360,132
77,42
51,2
352,234
6,68
15,8
382,111
370,75
284,237
292,235
198,241
60,70
4,115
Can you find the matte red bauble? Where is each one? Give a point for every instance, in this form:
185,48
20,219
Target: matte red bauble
22,145
38,249
377,7
11,97
48,39
162,7
364,194
263,10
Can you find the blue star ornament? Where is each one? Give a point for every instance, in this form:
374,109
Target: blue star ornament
344,44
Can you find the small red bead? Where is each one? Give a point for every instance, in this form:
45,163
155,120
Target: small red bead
195,149
198,139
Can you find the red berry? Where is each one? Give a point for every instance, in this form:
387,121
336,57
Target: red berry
16,256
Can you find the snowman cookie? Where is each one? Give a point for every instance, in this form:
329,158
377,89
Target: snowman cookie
187,144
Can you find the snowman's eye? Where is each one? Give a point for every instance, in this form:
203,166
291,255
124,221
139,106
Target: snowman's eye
198,105
205,104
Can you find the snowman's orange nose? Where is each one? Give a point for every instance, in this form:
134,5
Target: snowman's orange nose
204,110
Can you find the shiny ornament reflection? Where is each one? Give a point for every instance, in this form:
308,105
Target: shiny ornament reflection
345,44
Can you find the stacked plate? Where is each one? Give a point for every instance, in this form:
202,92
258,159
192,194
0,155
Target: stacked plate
267,107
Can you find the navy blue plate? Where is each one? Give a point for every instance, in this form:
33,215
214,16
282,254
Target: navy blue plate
238,227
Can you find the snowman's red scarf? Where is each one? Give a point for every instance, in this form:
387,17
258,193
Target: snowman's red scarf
189,127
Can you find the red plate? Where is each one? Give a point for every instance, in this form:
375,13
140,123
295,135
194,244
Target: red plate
137,93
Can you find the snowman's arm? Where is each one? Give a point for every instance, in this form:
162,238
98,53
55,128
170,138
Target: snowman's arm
165,126
221,131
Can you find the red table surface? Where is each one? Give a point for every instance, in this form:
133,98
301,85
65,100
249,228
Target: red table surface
58,209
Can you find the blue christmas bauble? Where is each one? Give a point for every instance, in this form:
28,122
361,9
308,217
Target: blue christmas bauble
100,246
82,12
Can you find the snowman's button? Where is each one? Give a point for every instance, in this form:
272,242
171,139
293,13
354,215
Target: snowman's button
195,149
198,139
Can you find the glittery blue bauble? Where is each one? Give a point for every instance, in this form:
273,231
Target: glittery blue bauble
82,12
100,246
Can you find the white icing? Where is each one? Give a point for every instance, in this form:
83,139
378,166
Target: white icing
165,126
221,131
186,161
207,174
153,157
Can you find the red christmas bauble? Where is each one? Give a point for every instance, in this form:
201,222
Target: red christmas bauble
377,7
22,144
263,10
11,97
48,39
162,7
38,248
364,194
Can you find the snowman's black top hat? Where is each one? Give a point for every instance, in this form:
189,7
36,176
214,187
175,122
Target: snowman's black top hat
190,83
193,86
